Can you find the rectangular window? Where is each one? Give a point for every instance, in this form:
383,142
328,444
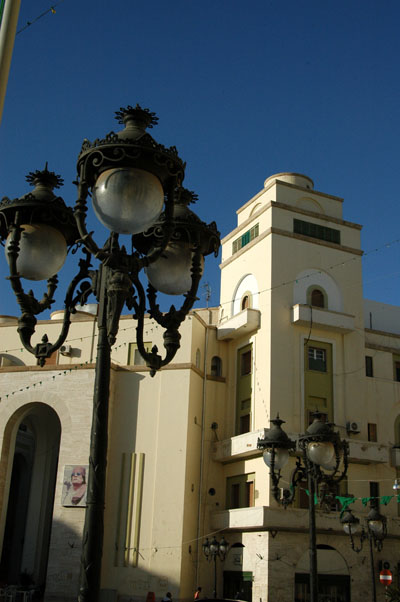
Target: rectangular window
245,364
243,390
373,489
249,494
301,499
244,239
134,357
317,359
372,432
240,491
235,496
316,231
50,361
396,368
244,424
369,371
318,379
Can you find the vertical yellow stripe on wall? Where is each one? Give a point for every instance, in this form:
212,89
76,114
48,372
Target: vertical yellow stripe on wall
131,491
129,510
137,510
135,492
119,511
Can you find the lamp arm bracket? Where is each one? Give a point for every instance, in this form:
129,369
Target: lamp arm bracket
30,307
166,230
358,548
80,211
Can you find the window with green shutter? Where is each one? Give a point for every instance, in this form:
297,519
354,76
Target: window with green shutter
244,239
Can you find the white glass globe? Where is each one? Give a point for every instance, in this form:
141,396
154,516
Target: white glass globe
376,526
321,452
281,458
353,527
171,273
127,200
43,250
330,465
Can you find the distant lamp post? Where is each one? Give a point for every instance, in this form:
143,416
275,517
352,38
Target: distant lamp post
135,185
213,550
322,453
375,532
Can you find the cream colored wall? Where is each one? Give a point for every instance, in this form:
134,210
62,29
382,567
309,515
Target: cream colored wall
283,219
292,195
150,416
296,192
278,379
70,396
141,423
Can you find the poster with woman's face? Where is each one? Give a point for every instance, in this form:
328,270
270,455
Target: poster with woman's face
74,486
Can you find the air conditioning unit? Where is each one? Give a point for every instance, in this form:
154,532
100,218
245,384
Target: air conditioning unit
353,428
66,350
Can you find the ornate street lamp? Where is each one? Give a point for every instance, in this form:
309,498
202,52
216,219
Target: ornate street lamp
136,189
322,453
375,533
213,550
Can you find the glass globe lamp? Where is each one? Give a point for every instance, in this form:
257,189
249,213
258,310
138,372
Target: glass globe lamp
43,250
351,524
321,452
223,546
214,547
171,273
127,200
281,457
206,548
376,526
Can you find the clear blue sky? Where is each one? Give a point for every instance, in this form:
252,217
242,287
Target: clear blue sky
243,89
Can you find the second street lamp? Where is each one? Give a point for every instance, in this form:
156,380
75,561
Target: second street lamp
375,533
136,189
321,454
213,550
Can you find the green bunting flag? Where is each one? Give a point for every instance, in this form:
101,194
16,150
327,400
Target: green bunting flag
383,499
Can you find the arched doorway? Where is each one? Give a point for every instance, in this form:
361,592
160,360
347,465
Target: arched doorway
31,463
333,576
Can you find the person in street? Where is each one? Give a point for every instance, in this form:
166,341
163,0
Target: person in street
197,593
167,597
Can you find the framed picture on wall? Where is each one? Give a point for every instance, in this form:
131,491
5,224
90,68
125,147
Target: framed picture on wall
74,485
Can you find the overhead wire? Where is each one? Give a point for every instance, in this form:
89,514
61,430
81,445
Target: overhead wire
52,10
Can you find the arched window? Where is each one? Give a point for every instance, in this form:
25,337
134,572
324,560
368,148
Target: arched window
317,298
198,358
216,366
245,302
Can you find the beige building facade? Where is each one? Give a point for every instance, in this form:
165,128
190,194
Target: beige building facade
292,334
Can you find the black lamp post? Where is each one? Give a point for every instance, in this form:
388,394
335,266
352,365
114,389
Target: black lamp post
322,452
213,550
135,185
375,533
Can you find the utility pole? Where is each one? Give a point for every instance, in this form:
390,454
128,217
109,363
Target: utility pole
9,11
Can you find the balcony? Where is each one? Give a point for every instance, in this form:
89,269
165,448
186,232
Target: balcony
270,518
267,518
304,315
243,323
360,452
367,452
